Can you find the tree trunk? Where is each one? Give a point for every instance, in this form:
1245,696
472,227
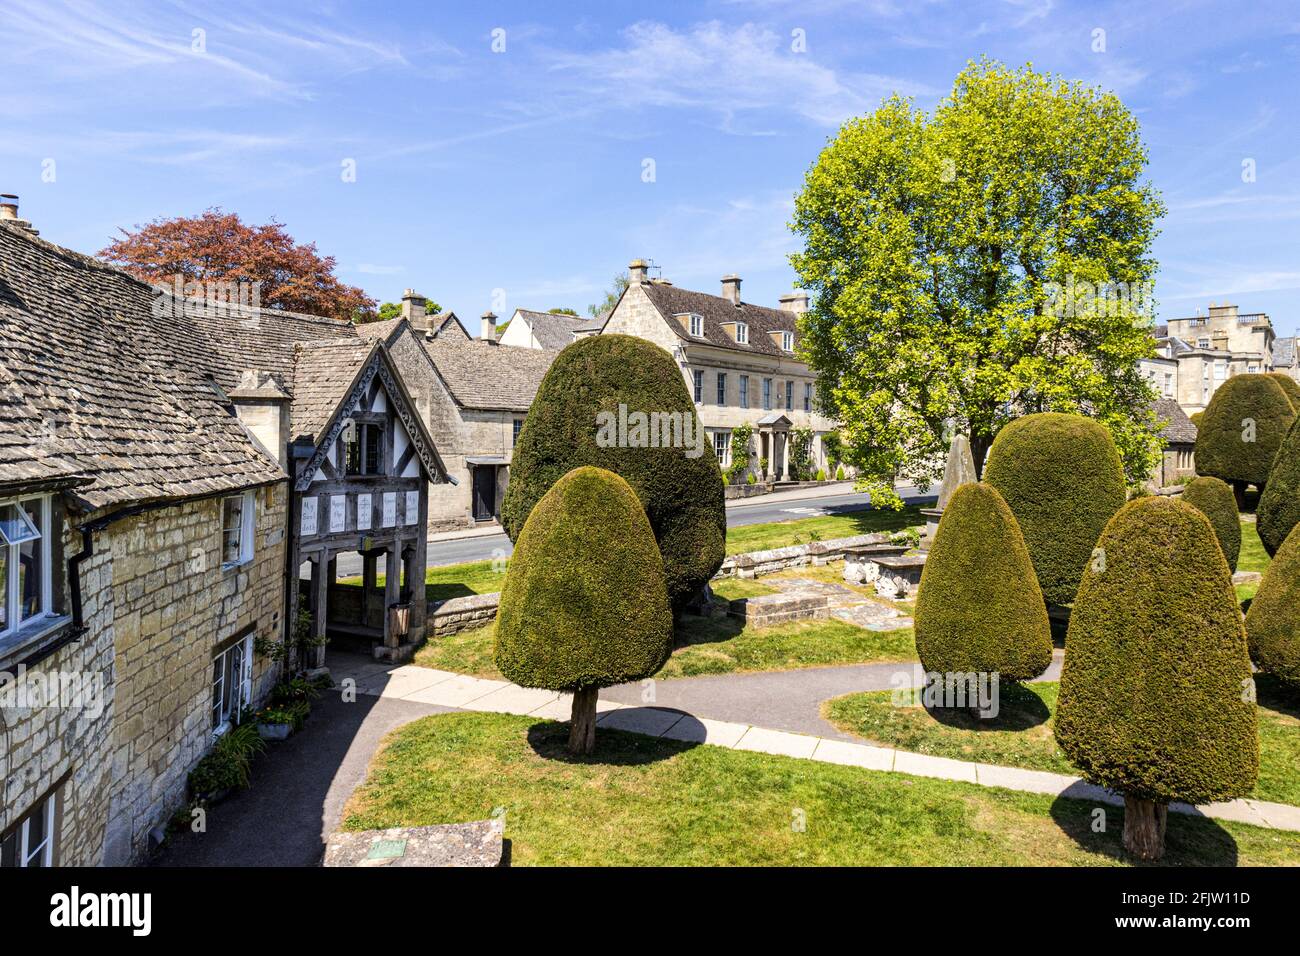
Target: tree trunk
1144,828
1239,490
979,449
582,729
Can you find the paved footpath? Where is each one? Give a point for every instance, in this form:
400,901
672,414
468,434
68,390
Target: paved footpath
769,713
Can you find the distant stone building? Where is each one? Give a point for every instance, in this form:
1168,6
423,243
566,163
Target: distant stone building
1286,356
1178,456
1209,350
541,330
738,359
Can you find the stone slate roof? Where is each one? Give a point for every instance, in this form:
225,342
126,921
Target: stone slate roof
1284,351
323,377
378,330
1178,429
552,331
97,380
671,301
447,324
488,375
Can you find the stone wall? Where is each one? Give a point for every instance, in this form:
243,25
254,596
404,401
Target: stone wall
462,614
173,604
41,747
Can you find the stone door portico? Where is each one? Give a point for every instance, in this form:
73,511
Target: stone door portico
773,440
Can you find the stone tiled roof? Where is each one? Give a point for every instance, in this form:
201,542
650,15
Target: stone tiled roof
716,310
1284,351
1178,428
488,375
95,381
378,330
552,331
447,325
323,376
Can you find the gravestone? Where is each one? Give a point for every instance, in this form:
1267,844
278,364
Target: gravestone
960,470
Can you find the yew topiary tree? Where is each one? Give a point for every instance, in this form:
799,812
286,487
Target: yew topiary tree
1156,698
1278,510
979,608
585,604
586,413
1290,386
1061,476
1241,431
1273,621
1214,499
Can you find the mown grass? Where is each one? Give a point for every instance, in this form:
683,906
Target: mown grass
642,801
778,534
1021,734
1253,557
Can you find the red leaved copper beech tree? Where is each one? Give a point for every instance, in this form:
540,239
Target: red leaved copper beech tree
219,247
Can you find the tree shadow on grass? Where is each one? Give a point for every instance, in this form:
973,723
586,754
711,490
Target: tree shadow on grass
1273,694
692,630
1190,838
621,748
1018,709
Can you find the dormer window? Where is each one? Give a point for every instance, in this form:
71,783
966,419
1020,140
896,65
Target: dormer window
787,341
697,325
693,323
742,333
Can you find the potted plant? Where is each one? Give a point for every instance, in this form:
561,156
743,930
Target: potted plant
277,722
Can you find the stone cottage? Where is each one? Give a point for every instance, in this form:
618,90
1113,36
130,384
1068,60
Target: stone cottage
147,523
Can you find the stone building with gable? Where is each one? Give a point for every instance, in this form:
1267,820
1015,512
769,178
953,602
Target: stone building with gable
154,466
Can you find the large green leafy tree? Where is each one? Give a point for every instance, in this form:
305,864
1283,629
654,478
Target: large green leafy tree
989,260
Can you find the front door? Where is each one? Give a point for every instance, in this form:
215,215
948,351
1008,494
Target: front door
485,492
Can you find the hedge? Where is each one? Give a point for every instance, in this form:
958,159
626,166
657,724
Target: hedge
1062,478
1242,428
1273,621
1290,386
584,604
1278,510
979,608
1153,696
1214,499
683,496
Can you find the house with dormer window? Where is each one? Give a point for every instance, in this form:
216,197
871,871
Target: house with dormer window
740,362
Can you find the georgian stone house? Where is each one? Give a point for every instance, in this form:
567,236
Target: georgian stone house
155,460
739,361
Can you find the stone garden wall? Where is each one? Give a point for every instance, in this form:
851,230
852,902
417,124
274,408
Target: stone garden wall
462,613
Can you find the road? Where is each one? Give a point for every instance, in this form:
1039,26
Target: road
780,506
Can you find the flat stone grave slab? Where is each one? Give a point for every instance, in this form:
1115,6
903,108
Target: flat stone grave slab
807,598
900,575
860,562
451,844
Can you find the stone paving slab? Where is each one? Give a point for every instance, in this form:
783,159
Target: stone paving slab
924,765
515,700
457,692
701,730
400,681
652,721
1017,778
854,755
778,742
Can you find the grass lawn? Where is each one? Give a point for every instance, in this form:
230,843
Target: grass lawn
1021,734
639,801
778,534
1253,557
708,646
453,580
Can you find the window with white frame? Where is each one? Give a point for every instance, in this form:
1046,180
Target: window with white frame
232,683
744,391
787,341
698,378
807,396
722,388
742,333
721,443
237,513
26,588
30,842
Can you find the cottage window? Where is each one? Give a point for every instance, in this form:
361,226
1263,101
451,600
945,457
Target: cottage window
787,341
698,376
25,562
232,684
722,388
720,443
516,427
237,513
767,394
30,842
363,448
742,333
744,391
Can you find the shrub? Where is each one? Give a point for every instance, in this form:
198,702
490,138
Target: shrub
800,455
1214,499
1239,435
821,474
585,602
1195,418
740,441
750,479
682,496
1062,478
1154,698
979,607
1278,510
839,473
229,764
1290,386
1273,621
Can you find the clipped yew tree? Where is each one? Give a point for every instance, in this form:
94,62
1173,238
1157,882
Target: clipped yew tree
1278,511
585,604
1273,621
979,608
1243,426
1214,499
569,425
1290,386
1062,478
1156,700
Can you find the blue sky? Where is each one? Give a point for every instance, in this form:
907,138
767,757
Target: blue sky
501,179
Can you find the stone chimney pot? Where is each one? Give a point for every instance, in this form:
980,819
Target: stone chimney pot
731,288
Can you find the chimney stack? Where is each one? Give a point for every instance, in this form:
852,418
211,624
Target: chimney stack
796,302
489,333
413,310
731,288
638,272
9,213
